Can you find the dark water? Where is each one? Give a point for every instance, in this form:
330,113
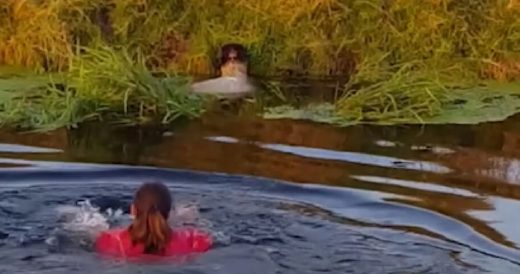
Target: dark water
283,197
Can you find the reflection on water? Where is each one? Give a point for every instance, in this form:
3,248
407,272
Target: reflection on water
13,148
468,174
258,235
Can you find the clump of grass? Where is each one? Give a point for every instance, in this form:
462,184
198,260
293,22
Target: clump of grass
112,80
40,109
409,92
102,83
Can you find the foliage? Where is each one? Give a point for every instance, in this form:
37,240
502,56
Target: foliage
306,37
111,80
489,103
401,58
102,83
401,95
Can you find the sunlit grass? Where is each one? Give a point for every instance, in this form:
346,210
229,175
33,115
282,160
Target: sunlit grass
401,57
128,87
401,95
102,83
306,37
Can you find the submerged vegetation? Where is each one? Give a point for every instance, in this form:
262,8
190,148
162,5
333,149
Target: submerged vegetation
403,60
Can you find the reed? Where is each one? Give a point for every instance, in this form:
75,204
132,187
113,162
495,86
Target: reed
293,36
400,95
103,84
409,52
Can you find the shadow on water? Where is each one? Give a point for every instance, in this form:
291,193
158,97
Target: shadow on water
435,199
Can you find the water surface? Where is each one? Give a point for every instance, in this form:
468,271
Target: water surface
281,196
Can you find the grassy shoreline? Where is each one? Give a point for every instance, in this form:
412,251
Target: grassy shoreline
101,84
402,59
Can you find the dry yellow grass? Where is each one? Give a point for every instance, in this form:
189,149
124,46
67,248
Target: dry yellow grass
284,36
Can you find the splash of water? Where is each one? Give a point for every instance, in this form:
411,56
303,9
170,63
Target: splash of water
81,224
87,218
189,214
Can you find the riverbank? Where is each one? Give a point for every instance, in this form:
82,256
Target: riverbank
402,61
101,84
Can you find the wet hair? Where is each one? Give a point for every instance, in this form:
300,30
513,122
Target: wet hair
150,227
226,51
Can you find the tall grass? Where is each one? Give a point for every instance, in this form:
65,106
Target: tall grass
401,95
386,46
40,34
102,83
125,85
307,37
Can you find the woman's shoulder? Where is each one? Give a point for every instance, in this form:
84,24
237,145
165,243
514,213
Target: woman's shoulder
190,240
109,242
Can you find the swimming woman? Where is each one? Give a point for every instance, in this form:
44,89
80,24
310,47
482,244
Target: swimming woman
149,234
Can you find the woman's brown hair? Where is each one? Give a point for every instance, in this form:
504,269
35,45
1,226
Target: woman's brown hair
152,204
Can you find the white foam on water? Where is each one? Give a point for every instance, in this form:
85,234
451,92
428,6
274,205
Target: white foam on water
189,214
81,224
86,218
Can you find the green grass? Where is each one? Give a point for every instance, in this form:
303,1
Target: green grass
101,84
402,58
400,95
490,102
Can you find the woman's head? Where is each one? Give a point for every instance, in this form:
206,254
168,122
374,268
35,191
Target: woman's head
151,208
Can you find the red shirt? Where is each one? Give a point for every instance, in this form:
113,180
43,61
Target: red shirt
117,243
